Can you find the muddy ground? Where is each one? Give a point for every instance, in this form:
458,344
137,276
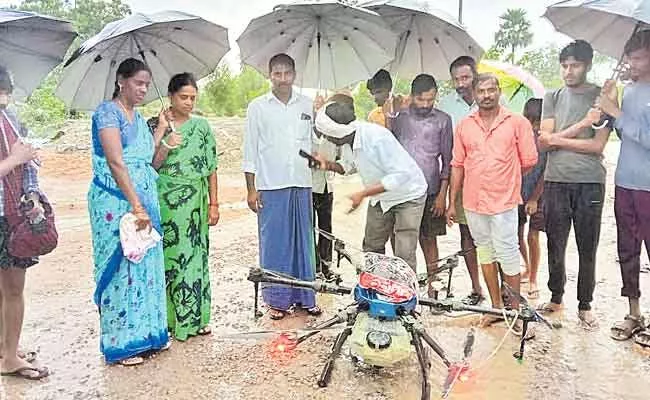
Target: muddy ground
62,322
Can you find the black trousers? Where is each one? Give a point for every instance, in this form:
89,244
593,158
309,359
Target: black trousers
323,203
580,205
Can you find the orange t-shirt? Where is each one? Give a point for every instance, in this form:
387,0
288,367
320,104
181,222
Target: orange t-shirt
376,116
492,160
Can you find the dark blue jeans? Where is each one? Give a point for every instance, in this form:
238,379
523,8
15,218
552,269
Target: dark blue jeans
580,205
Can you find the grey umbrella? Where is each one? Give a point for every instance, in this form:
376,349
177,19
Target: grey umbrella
606,24
170,42
31,45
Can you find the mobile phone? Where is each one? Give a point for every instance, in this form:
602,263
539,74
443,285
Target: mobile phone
313,163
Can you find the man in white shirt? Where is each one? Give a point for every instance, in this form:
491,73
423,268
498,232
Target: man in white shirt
393,181
279,183
323,196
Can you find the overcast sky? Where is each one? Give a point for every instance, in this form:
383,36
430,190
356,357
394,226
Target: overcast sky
481,17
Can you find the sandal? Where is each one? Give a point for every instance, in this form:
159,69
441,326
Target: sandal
131,361
643,339
473,299
167,346
588,324
314,311
626,329
276,315
206,330
489,320
533,294
547,308
24,373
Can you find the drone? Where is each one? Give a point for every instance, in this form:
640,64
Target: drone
382,324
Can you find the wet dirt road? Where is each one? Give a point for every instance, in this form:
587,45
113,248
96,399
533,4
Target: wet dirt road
62,325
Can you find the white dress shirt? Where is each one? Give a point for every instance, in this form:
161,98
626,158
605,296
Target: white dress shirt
379,158
319,177
275,133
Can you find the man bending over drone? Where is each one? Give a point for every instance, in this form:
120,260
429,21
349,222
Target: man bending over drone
393,181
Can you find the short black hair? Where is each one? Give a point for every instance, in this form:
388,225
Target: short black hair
640,40
341,112
581,50
463,61
423,83
282,59
533,110
6,83
127,69
381,80
484,77
179,81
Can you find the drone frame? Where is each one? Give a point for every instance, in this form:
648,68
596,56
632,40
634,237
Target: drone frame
413,326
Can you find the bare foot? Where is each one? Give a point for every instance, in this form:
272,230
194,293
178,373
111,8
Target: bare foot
524,275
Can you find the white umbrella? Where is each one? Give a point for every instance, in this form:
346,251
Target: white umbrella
31,45
170,42
605,24
429,39
333,44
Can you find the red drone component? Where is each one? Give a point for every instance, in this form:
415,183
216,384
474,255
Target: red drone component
284,343
396,291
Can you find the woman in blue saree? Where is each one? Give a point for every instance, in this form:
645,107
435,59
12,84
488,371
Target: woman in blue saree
130,296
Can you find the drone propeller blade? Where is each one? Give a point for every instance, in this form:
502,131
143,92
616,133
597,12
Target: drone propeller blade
272,333
469,344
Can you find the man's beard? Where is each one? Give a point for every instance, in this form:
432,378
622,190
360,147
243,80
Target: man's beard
422,111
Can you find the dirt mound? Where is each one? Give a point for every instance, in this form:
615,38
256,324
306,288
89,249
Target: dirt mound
229,133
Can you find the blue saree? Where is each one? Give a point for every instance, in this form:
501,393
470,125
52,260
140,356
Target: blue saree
130,297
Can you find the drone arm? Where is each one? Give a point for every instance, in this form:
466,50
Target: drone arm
343,316
260,275
325,376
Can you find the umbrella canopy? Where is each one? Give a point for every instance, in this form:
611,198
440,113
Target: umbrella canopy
603,23
517,84
333,44
429,39
31,45
171,42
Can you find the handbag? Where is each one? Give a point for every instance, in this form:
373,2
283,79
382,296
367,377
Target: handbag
29,237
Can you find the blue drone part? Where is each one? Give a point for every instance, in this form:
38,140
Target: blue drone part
380,306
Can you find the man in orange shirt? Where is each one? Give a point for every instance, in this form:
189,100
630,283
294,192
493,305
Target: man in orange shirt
380,86
492,149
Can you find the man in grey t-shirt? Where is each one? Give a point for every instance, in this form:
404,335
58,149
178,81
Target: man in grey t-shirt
574,178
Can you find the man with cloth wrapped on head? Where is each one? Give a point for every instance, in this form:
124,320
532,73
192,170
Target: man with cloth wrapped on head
393,182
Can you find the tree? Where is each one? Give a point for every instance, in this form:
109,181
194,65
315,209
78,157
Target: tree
493,54
43,109
226,94
514,33
544,63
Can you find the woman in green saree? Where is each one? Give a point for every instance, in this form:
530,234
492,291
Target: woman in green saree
187,163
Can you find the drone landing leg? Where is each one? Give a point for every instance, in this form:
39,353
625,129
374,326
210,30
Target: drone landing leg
519,355
435,346
424,364
325,376
256,312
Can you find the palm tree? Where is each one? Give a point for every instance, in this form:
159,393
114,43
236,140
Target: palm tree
514,32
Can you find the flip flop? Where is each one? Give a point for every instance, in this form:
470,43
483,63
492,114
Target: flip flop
473,299
643,339
489,320
588,324
131,361
315,311
24,374
626,329
206,330
533,294
546,308
276,315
